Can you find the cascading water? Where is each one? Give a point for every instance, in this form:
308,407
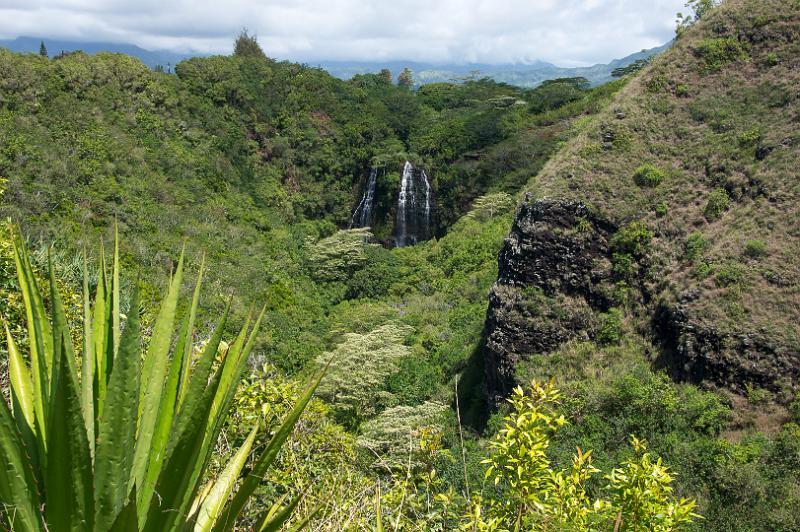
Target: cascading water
427,203
362,216
406,194
413,216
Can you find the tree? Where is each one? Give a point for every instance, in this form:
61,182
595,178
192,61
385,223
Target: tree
337,257
386,75
42,49
406,78
247,46
358,369
699,9
634,67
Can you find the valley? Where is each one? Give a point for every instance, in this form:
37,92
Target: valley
438,248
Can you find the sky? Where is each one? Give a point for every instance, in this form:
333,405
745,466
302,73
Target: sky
564,32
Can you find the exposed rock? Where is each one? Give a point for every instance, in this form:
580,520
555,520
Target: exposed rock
703,352
552,271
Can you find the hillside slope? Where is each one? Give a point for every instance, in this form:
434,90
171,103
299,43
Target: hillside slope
678,207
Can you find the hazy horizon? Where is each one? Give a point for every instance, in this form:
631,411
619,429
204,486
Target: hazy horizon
568,33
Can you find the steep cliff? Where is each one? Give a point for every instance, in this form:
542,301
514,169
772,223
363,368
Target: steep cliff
676,208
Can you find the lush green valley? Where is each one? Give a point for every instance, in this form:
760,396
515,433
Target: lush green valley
634,243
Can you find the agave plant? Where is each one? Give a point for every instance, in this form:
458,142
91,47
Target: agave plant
120,438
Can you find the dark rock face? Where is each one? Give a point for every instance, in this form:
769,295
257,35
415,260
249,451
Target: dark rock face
556,275
553,271
702,352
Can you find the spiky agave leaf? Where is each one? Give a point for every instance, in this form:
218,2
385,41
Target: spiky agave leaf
75,452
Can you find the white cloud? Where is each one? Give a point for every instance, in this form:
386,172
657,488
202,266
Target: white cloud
565,32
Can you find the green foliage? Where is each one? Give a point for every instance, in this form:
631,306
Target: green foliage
695,246
91,450
359,367
648,175
246,45
750,137
633,239
699,9
389,436
755,249
717,203
406,78
794,410
491,205
629,245
555,93
773,59
633,68
661,209
757,395
718,52
611,327
337,257
730,275
535,496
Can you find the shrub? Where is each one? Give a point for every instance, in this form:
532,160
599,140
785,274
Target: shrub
773,59
695,246
535,496
661,209
757,395
682,90
610,332
648,175
703,269
720,51
718,202
794,410
634,239
750,138
755,249
128,444
729,275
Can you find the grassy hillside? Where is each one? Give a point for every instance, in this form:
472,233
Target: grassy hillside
702,148
662,241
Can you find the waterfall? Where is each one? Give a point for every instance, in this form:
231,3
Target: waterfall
362,216
427,204
413,222
406,194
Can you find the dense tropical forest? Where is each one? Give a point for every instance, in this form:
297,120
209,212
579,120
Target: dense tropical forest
250,295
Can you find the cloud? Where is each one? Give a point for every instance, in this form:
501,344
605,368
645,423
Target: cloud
564,32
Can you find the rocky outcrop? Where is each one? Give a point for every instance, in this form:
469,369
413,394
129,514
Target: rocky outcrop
553,273
700,352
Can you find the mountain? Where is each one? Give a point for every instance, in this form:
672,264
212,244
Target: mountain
151,58
520,75
674,211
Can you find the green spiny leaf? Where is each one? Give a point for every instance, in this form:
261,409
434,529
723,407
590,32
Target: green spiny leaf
117,426
154,372
18,492
68,478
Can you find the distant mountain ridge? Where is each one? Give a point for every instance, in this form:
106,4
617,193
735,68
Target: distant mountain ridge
522,75
151,58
